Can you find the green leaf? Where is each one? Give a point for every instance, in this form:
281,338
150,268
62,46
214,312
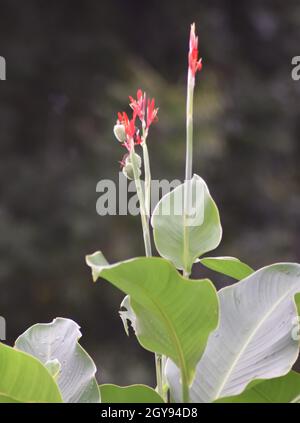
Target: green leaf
56,345
254,339
183,239
229,266
24,379
284,389
174,315
129,394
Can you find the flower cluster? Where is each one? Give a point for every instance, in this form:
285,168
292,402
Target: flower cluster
127,131
144,108
195,64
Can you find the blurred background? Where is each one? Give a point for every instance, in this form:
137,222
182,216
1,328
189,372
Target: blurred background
70,68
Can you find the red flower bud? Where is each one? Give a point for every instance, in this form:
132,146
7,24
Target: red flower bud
195,64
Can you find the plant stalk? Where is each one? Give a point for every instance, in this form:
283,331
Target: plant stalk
147,179
185,389
189,126
140,194
144,201
158,357
188,164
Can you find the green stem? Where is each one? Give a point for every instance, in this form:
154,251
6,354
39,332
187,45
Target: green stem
146,233
140,194
158,357
159,375
188,164
147,178
185,389
189,126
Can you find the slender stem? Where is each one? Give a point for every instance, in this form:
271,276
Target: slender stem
188,165
139,190
147,241
159,375
186,234
165,386
185,389
189,126
147,178
158,357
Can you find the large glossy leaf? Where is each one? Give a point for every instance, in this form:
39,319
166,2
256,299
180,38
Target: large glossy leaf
180,238
254,338
282,389
56,345
229,266
173,315
24,379
129,394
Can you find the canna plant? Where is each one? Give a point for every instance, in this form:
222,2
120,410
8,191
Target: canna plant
235,345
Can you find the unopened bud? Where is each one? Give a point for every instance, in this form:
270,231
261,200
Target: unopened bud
137,158
119,131
128,171
128,167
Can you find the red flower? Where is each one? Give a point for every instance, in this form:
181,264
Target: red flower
151,112
194,64
138,139
132,135
129,125
138,106
147,113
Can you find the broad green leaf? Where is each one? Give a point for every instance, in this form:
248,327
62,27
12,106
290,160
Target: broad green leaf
56,345
282,389
229,266
24,379
254,339
129,394
173,315
180,238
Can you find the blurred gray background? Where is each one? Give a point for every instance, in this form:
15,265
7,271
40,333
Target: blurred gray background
70,68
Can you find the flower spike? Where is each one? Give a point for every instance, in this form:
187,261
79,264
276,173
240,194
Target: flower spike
126,130
195,64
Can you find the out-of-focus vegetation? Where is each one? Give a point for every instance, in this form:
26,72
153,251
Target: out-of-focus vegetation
70,68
